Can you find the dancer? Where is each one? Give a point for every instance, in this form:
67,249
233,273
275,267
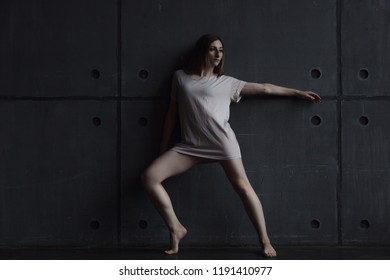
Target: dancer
201,94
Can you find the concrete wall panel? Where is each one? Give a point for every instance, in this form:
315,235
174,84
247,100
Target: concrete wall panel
58,48
58,182
141,134
366,164
365,47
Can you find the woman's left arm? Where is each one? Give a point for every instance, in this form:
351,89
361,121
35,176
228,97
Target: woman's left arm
269,89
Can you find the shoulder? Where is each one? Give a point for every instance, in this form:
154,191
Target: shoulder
179,75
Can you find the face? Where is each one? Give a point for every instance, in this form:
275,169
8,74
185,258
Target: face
215,53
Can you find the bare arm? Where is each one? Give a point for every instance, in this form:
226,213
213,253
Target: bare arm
270,89
169,124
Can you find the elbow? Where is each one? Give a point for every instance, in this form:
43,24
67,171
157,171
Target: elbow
266,88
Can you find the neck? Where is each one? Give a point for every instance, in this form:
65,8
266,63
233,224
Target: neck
207,72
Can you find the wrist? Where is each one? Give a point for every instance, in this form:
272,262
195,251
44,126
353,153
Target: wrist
296,92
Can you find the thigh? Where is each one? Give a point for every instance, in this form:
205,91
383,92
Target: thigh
169,164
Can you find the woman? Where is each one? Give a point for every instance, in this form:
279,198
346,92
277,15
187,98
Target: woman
201,95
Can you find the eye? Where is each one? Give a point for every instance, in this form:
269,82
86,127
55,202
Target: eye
213,49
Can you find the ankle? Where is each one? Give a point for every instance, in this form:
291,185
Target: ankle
177,228
265,241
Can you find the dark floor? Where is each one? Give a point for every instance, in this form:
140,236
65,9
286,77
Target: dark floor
189,253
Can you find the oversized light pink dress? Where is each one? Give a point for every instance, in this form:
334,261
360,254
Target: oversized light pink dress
204,110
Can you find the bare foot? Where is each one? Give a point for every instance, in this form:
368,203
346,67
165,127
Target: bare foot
268,250
175,237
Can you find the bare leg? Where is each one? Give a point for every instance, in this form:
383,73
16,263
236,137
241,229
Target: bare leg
168,164
235,171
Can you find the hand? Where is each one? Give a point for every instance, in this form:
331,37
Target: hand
309,96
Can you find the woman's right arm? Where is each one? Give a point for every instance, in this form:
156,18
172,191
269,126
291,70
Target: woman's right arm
169,124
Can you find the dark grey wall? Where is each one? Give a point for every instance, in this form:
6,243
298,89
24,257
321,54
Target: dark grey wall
84,87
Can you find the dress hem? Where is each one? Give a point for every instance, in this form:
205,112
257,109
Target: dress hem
205,157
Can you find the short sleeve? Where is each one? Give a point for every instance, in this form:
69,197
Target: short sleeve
236,87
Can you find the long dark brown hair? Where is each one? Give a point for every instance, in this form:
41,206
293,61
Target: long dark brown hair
197,59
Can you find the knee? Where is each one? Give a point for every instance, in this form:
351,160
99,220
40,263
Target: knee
242,186
148,179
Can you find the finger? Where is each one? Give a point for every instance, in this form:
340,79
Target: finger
312,96
315,96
